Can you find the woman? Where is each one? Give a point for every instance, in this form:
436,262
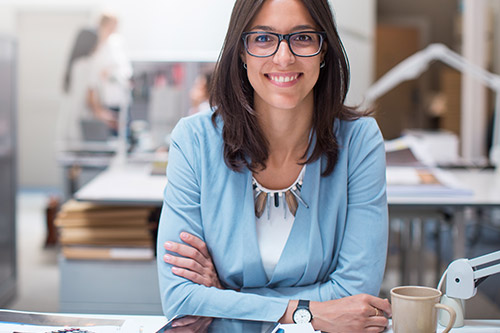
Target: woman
279,195
74,107
110,75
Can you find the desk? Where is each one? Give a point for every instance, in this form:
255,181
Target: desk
130,184
485,185
150,324
471,326
81,289
83,156
129,323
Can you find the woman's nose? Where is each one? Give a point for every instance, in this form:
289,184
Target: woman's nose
284,55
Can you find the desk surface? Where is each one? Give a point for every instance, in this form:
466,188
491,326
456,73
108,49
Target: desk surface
471,326
128,184
484,185
134,184
145,324
128,324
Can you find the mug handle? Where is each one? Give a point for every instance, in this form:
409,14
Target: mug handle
452,313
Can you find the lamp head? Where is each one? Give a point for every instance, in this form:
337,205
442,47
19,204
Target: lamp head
460,282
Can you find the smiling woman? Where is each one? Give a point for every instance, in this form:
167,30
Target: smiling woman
275,207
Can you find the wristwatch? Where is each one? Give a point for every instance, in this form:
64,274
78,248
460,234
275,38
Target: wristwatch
302,314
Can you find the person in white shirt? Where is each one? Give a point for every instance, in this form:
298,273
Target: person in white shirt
110,74
200,93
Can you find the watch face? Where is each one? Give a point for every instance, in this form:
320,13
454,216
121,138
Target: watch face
301,316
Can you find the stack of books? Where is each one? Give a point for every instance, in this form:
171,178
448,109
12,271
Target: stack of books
92,231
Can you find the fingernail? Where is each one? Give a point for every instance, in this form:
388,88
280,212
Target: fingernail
184,235
168,245
175,269
167,257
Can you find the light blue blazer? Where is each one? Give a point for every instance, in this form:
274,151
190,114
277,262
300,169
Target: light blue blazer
337,247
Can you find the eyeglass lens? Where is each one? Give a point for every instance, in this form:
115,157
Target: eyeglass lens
301,44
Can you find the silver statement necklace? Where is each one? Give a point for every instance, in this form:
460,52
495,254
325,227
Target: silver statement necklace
289,198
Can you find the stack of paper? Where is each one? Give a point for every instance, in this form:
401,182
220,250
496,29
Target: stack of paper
409,181
92,231
411,171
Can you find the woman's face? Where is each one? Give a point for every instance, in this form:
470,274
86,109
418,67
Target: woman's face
283,80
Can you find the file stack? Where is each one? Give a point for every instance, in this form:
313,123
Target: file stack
92,231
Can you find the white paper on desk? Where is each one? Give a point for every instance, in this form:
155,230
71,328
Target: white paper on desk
408,181
402,176
297,328
9,328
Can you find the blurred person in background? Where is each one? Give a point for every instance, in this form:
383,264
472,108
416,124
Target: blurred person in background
200,93
75,86
110,74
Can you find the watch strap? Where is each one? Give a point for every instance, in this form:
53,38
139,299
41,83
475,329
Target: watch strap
303,304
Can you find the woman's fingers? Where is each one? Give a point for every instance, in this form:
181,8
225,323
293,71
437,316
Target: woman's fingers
186,251
194,262
184,321
382,304
377,321
187,263
190,275
195,242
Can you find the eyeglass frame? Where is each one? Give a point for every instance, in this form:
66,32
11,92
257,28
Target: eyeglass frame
283,37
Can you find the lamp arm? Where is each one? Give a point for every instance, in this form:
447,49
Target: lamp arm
413,66
485,259
463,65
410,68
485,272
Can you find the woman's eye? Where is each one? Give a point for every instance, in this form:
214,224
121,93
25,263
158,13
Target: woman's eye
303,38
263,38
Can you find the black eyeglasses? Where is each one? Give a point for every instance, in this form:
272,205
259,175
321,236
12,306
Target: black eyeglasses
265,44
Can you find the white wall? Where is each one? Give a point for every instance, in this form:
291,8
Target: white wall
7,20
43,50
356,20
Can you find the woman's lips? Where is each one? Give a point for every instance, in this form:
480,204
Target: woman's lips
283,79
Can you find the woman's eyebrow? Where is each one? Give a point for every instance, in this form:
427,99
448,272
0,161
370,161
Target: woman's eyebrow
296,28
262,28
304,27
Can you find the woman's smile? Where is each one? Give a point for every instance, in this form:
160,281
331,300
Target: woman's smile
283,79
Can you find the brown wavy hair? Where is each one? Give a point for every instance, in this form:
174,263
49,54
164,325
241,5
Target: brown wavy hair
232,94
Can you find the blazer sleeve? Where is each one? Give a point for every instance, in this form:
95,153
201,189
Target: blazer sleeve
363,248
181,212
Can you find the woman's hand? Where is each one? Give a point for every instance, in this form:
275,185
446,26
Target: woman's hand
194,262
359,313
190,324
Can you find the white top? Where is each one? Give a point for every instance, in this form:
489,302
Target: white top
274,226
111,71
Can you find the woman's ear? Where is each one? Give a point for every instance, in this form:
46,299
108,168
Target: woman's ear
323,51
243,57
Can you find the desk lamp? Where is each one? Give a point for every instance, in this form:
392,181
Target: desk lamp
462,278
413,66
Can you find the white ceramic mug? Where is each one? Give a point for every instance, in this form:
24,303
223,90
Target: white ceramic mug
414,310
